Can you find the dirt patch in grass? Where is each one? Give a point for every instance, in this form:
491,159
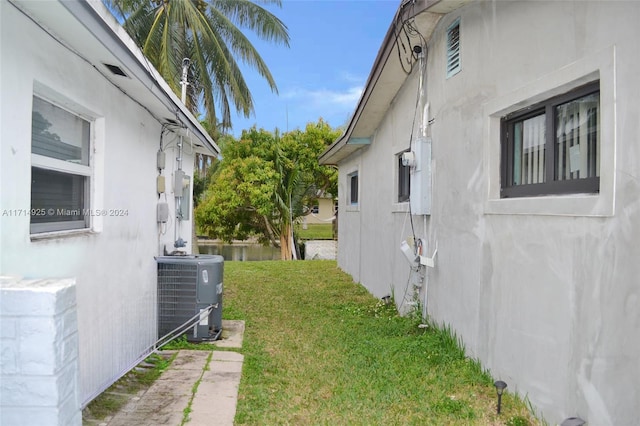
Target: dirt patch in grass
131,385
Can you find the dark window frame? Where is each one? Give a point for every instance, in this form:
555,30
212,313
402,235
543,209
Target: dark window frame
404,180
354,184
551,186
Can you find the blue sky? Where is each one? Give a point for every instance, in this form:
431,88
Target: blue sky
322,74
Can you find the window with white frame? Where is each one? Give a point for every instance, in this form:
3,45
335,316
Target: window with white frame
553,147
453,49
352,181
60,168
404,180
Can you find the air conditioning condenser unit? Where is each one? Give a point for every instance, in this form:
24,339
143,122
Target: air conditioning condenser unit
190,288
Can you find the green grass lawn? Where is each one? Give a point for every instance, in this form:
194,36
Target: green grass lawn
319,350
315,231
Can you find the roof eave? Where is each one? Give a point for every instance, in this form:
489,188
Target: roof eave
341,148
95,17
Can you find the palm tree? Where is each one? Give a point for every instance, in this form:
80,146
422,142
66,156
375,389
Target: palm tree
208,33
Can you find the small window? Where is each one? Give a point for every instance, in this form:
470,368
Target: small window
315,209
60,168
353,188
553,147
453,48
404,180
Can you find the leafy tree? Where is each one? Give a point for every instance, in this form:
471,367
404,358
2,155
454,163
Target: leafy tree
201,182
263,184
203,178
209,33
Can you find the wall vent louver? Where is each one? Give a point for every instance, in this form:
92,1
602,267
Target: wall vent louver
453,48
115,69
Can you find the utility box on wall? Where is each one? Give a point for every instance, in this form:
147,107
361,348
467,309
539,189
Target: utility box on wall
187,286
182,191
420,197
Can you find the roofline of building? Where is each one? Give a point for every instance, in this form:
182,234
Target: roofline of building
406,10
97,19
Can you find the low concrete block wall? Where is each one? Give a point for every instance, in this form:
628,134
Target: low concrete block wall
38,353
321,250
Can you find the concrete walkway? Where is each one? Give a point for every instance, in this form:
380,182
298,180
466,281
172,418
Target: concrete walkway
215,401
215,377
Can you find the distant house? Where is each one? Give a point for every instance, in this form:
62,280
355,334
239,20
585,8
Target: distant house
89,134
509,130
322,212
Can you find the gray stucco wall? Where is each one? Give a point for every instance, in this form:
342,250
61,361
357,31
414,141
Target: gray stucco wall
544,291
369,234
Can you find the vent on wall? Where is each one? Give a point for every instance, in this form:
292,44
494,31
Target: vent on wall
453,48
115,70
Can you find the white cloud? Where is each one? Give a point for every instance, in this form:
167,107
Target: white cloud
326,98
352,78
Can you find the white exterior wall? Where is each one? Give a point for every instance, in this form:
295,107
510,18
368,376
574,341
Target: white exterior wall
39,353
113,264
544,291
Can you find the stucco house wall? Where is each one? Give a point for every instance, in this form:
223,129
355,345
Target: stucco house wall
543,290
378,221
112,262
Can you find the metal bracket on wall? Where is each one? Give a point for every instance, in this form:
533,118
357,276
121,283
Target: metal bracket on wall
429,261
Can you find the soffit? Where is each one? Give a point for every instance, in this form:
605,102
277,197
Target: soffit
103,41
390,80
387,76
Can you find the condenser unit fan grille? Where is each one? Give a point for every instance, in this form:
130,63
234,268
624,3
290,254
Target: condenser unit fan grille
176,294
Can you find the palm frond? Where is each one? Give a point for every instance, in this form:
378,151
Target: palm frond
215,61
240,45
250,15
168,31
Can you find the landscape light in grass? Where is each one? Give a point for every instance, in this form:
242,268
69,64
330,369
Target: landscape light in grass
573,421
500,387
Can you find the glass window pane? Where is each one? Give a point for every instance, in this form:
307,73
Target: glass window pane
529,150
59,134
404,181
577,147
353,188
59,195
565,130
